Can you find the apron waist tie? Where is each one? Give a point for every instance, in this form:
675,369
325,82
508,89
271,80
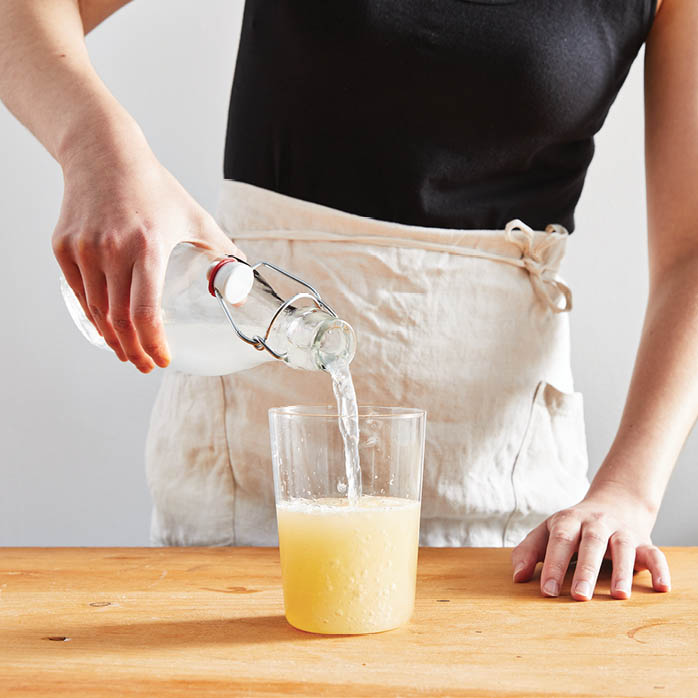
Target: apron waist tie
540,255
541,258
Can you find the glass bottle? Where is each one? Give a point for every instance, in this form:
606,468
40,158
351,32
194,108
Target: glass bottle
222,316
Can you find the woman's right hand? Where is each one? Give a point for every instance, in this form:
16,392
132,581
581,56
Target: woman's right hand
122,214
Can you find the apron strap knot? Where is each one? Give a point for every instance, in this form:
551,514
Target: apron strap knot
540,258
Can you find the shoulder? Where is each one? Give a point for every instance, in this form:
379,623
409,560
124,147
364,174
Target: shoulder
671,19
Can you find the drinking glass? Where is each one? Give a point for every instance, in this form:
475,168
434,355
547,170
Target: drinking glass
348,565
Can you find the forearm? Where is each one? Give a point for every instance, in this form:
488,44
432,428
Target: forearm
47,80
662,402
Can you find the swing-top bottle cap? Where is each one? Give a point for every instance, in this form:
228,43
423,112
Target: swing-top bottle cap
233,280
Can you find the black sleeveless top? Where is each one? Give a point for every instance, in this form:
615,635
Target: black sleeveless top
449,113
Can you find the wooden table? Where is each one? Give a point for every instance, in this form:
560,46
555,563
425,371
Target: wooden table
209,621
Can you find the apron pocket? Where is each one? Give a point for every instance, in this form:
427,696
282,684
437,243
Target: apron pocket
550,470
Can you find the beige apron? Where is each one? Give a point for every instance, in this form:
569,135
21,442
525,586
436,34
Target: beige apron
470,325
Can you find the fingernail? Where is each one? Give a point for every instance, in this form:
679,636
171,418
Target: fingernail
623,586
583,589
519,568
551,588
664,581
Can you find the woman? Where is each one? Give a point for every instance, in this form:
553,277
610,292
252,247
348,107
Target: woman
385,150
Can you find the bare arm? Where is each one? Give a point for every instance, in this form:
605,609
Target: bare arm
122,212
662,403
617,515
46,78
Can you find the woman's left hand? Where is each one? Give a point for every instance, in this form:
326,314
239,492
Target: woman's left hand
608,522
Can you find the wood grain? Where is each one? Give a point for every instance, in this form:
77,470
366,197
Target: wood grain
209,621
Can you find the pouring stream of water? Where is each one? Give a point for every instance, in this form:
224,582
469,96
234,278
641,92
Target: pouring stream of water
348,411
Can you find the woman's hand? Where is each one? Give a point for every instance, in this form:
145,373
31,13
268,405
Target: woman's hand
608,522
122,215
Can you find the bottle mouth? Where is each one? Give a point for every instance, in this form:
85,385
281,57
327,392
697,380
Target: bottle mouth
335,343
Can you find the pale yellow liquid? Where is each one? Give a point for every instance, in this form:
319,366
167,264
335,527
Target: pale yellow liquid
348,568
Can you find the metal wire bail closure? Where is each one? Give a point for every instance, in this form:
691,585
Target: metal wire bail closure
260,343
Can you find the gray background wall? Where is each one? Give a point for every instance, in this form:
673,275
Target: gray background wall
73,419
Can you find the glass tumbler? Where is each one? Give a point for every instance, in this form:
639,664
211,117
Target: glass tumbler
348,566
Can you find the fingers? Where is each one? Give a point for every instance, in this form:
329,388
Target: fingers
89,285
623,557
527,554
97,300
562,544
592,534
72,275
592,548
650,557
146,284
119,288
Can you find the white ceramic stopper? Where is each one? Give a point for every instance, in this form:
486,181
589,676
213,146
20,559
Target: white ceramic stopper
234,282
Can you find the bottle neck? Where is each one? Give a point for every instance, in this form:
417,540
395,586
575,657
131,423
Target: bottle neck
312,339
